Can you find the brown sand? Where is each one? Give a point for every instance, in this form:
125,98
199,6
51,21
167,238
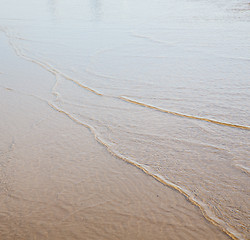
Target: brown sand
57,182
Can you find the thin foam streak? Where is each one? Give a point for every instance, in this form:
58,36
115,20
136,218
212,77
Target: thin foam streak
184,115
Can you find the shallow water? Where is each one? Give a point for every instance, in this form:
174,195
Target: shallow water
57,182
163,85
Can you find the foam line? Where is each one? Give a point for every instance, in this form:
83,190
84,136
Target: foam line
46,66
184,115
189,196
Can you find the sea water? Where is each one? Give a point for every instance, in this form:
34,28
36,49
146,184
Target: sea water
164,85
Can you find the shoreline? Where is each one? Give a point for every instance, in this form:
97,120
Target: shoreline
46,186
84,85
208,215
19,115
53,170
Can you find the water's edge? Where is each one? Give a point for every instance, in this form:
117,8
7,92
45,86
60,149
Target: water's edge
189,196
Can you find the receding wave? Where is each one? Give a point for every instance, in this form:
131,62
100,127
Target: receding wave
46,66
189,195
55,71
184,115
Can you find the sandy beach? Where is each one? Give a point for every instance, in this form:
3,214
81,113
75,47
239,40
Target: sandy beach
58,182
124,120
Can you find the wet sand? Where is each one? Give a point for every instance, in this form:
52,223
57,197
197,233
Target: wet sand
100,101
57,182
